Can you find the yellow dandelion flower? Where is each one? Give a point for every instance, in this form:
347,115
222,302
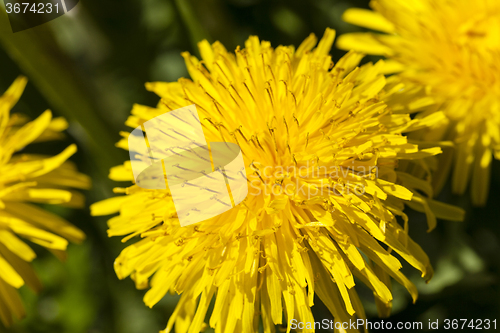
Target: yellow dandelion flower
26,179
452,48
324,199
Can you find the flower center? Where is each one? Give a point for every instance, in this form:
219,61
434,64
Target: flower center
481,32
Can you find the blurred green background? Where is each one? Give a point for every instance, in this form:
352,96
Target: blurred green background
90,66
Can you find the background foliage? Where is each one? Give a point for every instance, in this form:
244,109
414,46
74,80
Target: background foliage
91,65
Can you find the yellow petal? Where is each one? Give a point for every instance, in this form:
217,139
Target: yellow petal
46,220
368,19
17,246
362,42
10,304
9,275
32,130
107,206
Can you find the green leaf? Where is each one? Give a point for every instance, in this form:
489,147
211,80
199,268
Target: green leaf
48,68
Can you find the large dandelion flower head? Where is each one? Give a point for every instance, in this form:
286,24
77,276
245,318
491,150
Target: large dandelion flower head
25,180
324,200
452,48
